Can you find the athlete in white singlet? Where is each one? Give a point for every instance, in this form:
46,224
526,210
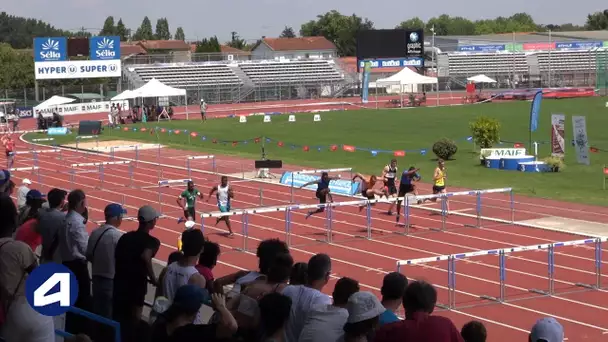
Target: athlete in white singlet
224,197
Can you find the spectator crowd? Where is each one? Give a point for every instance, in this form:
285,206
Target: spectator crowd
281,301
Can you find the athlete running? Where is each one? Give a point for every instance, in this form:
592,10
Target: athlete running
406,186
322,191
367,188
224,196
189,196
439,177
389,173
9,148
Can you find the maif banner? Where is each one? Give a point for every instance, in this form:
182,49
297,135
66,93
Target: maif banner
581,141
558,135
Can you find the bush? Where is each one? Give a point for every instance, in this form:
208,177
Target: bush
445,149
485,131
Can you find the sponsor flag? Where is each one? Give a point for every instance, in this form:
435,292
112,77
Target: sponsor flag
214,141
348,148
193,134
176,131
234,143
399,153
535,111
163,130
256,140
518,145
280,144
605,175
581,141
365,80
558,135
306,148
594,149
333,147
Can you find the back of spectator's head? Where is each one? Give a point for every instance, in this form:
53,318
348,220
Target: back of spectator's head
274,312
547,329
193,242
8,216
345,287
299,274
393,286
114,211
474,331
420,296
56,198
319,268
187,302
147,216
211,251
174,257
267,251
76,201
280,269
364,310
6,183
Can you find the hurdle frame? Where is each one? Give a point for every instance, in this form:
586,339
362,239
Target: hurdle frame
189,158
28,168
100,169
329,207
502,253
312,172
167,183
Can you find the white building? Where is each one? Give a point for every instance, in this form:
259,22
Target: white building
294,48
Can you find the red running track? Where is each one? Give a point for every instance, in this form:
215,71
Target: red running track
582,313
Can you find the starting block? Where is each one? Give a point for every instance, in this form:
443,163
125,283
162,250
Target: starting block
242,119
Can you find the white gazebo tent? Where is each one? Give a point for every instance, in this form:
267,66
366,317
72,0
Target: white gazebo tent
155,88
405,81
481,79
51,103
125,95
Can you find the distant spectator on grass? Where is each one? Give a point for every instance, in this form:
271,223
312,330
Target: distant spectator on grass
133,271
305,297
547,329
419,324
393,289
49,222
325,323
100,252
207,261
73,239
364,310
474,331
299,274
274,313
266,253
27,230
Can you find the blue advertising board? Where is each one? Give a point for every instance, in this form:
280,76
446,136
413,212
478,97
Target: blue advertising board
481,48
340,187
393,63
579,45
104,48
25,112
50,49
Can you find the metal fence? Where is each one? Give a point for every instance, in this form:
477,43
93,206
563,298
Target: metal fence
27,96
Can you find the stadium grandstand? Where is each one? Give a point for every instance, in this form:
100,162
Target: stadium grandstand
308,67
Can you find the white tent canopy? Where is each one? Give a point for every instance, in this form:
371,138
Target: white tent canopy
53,102
481,79
406,77
155,88
125,95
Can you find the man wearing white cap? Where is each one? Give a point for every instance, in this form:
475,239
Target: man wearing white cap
364,310
22,192
547,329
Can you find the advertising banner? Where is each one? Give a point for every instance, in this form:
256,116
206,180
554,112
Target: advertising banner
558,135
104,48
340,187
83,108
414,43
366,75
581,141
50,49
77,69
393,63
501,152
538,46
535,110
25,112
578,45
481,48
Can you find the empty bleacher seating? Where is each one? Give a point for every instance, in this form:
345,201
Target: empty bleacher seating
300,72
470,64
567,61
190,75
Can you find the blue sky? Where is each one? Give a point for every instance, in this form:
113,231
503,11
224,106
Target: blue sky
253,19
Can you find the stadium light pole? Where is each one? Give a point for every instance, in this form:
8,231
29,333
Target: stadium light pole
433,62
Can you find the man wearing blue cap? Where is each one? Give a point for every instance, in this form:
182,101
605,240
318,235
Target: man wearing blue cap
100,252
547,329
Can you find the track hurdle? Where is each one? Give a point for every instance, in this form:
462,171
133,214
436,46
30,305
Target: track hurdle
35,170
35,154
190,158
502,270
101,169
168,183
297,181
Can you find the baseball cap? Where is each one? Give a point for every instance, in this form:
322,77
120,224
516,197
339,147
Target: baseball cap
147,214
26,181
35,195
190,224
190,298
363,306
5,176
114,210
547,329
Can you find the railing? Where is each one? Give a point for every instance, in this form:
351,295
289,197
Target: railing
91,316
